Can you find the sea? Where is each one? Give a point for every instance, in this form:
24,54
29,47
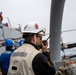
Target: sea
67,52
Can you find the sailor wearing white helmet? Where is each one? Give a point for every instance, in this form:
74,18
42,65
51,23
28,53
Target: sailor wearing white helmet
27,59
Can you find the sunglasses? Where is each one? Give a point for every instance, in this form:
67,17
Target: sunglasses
39,37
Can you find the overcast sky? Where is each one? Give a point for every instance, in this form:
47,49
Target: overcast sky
69,21
24,11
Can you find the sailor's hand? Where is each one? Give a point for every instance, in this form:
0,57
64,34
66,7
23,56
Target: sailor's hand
44,46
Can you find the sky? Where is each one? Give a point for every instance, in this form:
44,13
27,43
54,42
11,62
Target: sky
24,11
69,21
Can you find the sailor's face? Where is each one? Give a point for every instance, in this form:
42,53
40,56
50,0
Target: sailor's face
38,39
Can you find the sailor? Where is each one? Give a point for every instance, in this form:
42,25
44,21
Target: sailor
5,56
27,59
1,17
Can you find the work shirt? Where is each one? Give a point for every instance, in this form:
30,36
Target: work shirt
4,61
27,60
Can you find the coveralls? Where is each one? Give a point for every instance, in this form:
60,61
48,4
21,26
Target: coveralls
4,61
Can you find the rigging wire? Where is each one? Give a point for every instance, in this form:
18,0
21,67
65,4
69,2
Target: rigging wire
69,30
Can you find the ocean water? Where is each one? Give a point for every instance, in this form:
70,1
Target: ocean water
71,51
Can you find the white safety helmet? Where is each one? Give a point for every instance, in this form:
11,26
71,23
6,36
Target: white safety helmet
33,27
